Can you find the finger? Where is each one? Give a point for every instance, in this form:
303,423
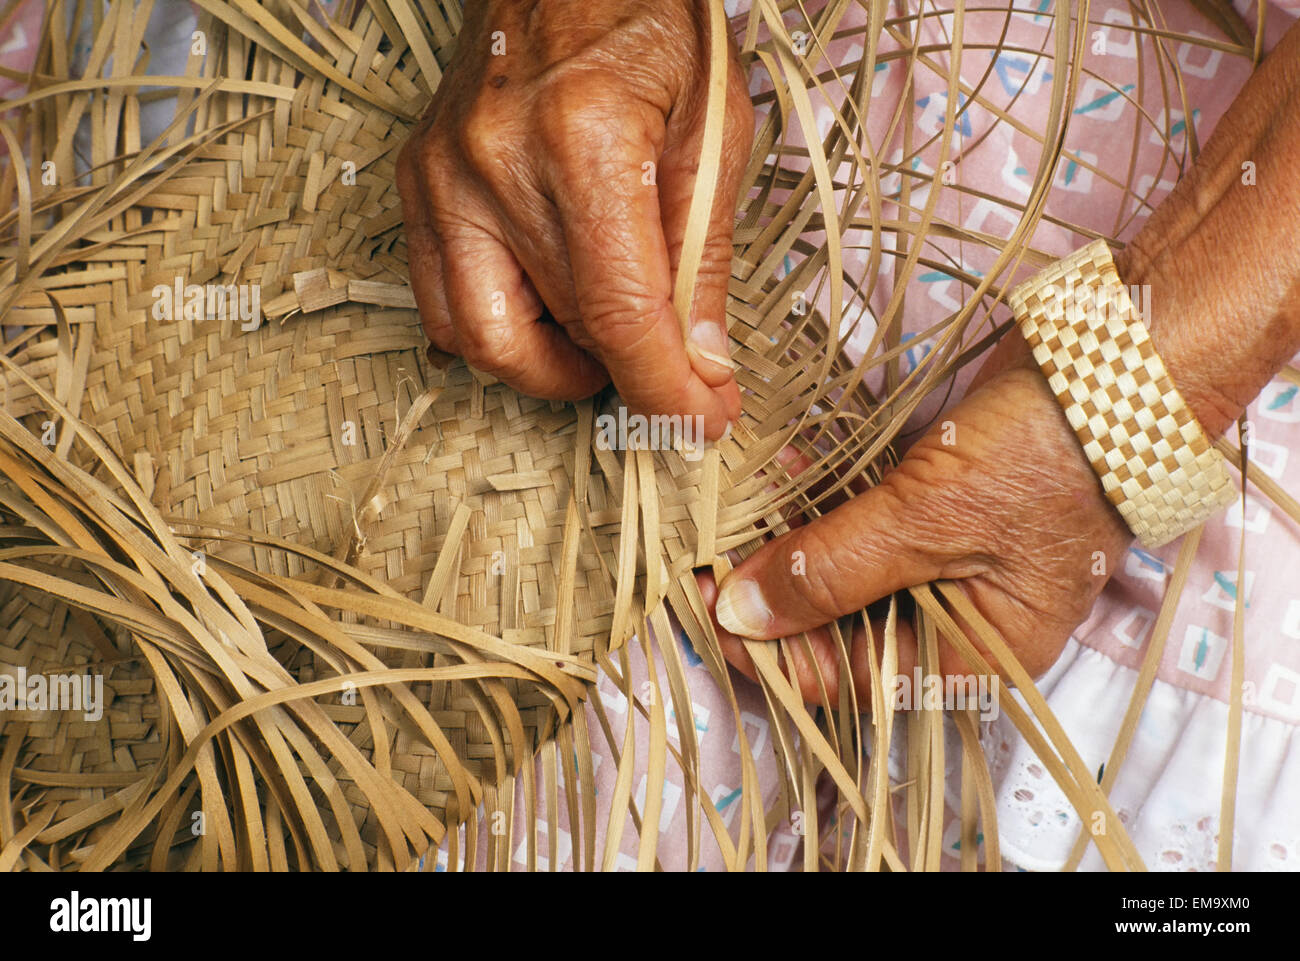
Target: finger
787,463
495,314
824,489
707,344
792,462
431,294
500,324
423,259
815,664
621,275
834,565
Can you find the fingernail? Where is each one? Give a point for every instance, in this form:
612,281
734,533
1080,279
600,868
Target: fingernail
741,608
710,342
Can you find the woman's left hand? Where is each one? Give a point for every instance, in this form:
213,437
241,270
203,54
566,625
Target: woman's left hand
1010,509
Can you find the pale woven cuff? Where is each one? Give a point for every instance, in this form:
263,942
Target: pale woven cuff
1155,463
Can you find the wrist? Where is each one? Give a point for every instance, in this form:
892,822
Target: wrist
1219,258
1138,433
1220,338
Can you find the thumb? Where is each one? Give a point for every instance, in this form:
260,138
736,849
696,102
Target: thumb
707,343
832,566
680,168
614,236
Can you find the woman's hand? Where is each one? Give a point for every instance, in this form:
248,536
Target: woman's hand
1011,510
546,194
999,498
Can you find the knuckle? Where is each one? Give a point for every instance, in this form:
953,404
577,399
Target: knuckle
715,265
623,326
578,129
436,162
407,163
829,585
481,136
491,349
419,160
490,146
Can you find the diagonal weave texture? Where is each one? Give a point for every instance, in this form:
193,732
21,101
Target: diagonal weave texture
324,433
339,598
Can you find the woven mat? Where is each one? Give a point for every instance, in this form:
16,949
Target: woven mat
336,596
325,430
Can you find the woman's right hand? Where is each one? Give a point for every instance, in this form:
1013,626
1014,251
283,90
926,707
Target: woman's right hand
546,194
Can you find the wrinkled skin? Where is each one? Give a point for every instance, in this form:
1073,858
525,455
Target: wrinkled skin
526,178
1012,511
531,176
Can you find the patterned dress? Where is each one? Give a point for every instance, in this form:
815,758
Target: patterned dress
1169,789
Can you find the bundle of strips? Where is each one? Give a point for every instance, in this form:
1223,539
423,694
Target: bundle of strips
339,599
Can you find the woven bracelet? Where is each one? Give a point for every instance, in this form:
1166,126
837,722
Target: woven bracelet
1155,463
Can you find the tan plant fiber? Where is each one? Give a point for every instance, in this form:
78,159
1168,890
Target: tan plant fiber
338,596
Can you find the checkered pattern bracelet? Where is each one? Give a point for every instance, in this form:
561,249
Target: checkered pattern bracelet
1155,463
